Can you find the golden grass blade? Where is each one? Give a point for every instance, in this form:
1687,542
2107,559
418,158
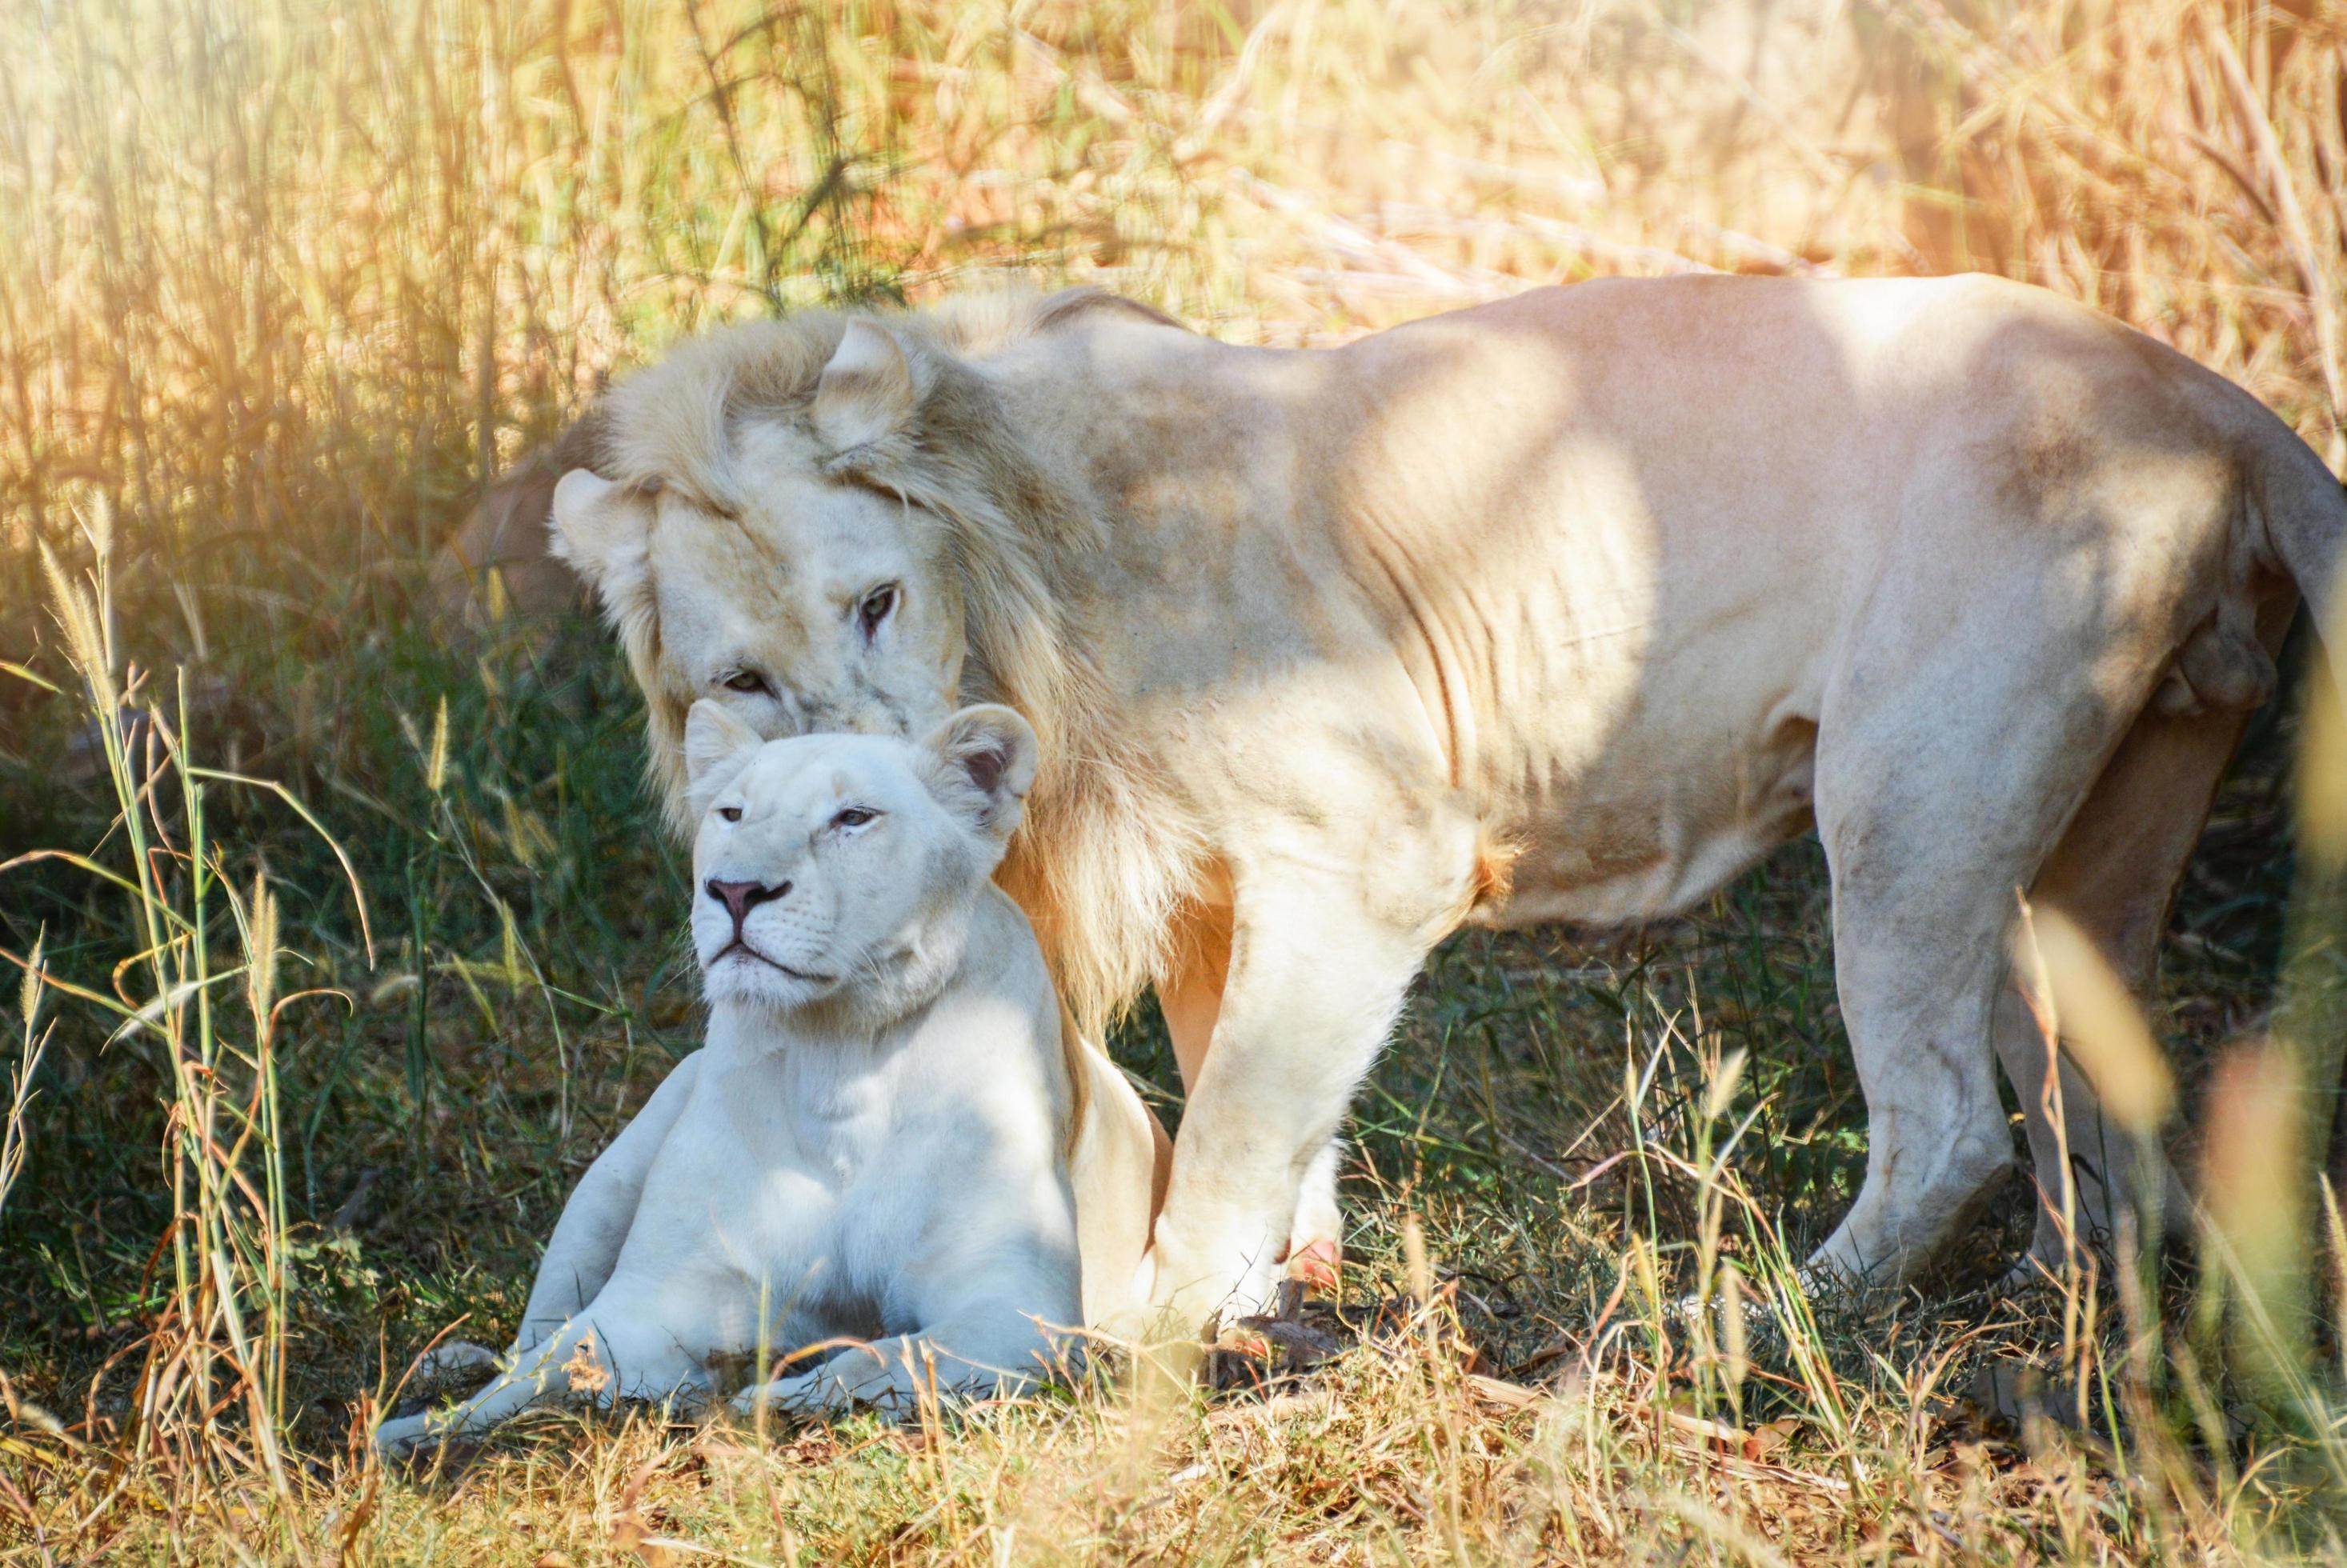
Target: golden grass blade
2253,1188
2101,1025
2322,771
350,872
2297,239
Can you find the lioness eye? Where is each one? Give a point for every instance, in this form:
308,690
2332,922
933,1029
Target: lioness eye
854,817
745,681
876,607
730,813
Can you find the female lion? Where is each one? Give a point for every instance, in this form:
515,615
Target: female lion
888,1139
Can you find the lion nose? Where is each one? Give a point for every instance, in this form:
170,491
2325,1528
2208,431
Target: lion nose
741,898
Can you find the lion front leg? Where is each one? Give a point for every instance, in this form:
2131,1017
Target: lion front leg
585,1246
538,1374
1316,1237
638,1339
1314,986
1190,999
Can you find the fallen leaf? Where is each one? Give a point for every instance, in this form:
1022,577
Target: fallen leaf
1726,1437
1547,1355
1762,1441
632,1531
586,1373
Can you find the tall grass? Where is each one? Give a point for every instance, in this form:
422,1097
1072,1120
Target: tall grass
217,1344
284,284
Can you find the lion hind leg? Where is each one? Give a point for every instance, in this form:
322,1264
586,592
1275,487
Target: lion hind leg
1918,981
1933,821
2114,874
1964,759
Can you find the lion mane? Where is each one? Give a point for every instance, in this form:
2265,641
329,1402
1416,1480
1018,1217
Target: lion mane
1106,860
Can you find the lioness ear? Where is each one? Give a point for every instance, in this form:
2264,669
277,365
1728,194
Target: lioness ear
866,392
986,758
717,747
601,529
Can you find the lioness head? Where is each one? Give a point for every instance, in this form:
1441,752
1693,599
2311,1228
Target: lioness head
838,872
816,522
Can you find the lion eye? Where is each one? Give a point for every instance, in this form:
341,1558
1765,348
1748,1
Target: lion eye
730,813
854,817
745,681
876,607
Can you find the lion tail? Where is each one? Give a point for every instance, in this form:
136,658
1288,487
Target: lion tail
2303,509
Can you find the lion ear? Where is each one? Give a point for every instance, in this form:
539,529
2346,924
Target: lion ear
602,529
987,758
717,747
866,392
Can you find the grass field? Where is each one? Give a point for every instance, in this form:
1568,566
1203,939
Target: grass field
357,935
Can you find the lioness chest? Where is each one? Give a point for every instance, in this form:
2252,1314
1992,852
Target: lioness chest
792,1200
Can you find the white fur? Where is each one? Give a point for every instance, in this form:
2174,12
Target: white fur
873,1146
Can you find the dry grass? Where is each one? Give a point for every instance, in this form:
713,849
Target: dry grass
284,283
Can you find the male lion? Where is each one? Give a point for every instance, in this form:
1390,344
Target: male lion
1562,608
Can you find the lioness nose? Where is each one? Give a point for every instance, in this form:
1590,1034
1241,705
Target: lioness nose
741,898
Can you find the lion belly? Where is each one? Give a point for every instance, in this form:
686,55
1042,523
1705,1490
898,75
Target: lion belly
1631,774
1629,846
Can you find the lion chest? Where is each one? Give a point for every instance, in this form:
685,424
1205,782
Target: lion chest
786,1197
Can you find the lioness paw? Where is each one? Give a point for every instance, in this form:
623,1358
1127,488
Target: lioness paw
819,1395
405,1437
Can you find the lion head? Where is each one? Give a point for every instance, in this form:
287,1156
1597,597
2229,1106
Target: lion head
838,872
826,524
